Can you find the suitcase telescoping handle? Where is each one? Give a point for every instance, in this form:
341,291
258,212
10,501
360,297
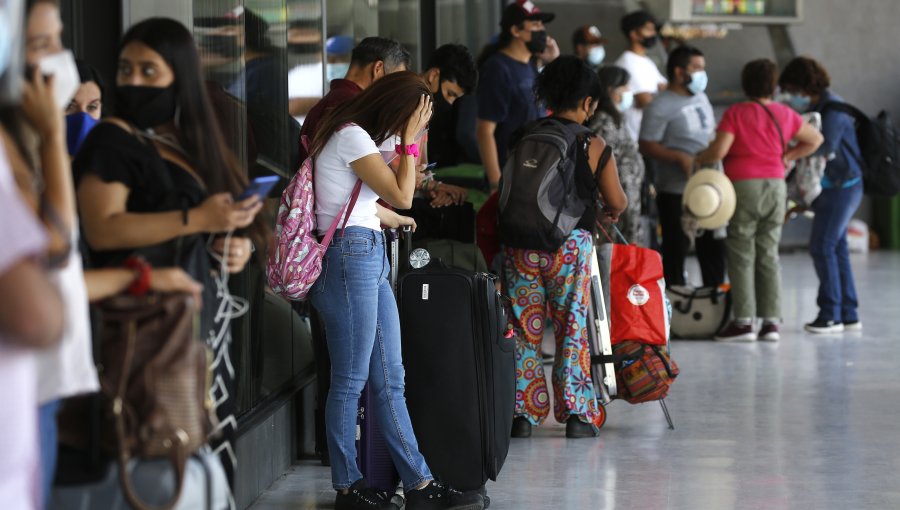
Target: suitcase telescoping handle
407,245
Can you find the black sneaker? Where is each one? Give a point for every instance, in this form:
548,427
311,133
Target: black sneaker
576,428
437,496
521,427
823,327
362,497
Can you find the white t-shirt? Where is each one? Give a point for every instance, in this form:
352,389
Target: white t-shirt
67,369
334,180
645,77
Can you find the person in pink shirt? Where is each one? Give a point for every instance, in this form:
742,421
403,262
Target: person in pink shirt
29,320
752,142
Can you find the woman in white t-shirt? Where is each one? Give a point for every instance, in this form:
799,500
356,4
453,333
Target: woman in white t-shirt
353,295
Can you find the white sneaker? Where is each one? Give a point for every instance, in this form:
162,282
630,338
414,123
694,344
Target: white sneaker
853,326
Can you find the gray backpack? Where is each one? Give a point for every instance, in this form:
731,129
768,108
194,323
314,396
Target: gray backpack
539,204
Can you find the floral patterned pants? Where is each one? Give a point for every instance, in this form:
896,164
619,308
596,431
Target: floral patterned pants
555,283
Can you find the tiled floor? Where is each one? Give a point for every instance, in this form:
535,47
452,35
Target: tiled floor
812,422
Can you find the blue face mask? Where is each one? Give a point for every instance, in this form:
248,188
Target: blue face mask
698,83
337,71
78,125
626,102
798,102
596,55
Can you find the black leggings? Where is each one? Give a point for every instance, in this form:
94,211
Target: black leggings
675,245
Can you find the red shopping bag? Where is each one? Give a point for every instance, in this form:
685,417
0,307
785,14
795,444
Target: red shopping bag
637,309
487,228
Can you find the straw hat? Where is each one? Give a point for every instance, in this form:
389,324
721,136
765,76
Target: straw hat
709,197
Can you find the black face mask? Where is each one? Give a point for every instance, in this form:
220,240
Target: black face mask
649,42
223,45
441,106
538,42
146,107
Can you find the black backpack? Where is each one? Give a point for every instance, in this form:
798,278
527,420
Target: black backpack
539,203
880,148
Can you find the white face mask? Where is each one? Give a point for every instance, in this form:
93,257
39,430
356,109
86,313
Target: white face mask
627,101
65,76
596,55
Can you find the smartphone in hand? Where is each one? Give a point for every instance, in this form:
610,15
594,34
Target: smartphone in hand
259,187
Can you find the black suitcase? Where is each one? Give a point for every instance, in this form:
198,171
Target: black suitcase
460,371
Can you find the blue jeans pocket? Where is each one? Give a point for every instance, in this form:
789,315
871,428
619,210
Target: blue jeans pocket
357,247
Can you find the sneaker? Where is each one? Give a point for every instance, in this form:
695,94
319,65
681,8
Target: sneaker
362,497
853,326
521,427
437,496
821,326
769,332
736,332
576,428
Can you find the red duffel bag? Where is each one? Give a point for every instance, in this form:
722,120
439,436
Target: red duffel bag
637,309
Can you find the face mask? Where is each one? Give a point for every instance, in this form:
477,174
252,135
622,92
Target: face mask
65,76
223,45
78,125
626,102
596,55
698,83
146,107
441,106
337,71
798,102
6,40
649,42
538,42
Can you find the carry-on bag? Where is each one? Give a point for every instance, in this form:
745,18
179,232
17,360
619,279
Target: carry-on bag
459,359
638,310
699,312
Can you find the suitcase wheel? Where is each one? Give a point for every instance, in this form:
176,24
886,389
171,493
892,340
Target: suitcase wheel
600,419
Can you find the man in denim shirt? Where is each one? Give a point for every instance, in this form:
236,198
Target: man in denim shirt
806,82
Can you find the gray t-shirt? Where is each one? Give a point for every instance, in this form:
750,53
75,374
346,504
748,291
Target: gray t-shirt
684,123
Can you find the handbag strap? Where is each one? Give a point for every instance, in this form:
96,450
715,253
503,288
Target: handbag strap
777,125
178,456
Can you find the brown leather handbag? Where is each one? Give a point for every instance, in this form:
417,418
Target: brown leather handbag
155,378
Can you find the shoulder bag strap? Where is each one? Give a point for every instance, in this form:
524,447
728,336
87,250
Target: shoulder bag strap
777,125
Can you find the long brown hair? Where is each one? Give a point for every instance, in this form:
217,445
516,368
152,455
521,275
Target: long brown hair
382,110
198,129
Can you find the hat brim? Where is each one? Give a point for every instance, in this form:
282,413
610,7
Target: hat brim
723,185
546,17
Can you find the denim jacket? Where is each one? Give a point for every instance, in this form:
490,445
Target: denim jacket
840,140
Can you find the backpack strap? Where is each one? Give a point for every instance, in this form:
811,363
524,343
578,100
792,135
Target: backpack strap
847,108
348,207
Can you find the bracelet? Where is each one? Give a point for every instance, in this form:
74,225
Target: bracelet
141,283
407,150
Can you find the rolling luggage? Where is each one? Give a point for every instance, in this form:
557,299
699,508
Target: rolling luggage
372,454
460,370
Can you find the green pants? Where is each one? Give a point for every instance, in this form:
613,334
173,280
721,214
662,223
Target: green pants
752,247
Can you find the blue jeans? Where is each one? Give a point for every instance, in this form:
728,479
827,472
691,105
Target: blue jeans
362,329
828,246
48,437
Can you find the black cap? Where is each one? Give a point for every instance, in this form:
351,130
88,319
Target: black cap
635,20
523,10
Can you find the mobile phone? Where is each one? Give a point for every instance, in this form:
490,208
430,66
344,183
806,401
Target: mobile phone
431,166
260,187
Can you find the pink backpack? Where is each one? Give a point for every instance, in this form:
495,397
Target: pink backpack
295,258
